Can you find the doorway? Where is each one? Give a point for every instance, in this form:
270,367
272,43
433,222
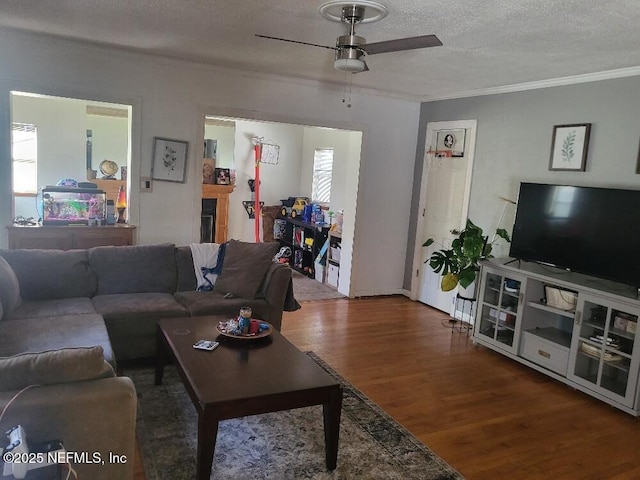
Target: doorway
444,202
291,175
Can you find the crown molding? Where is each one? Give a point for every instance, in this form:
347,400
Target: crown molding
107,111
553,82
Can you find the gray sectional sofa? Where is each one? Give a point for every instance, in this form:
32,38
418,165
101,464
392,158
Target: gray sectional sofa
105,301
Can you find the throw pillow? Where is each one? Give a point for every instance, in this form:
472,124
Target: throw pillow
244,268
9,289
52,367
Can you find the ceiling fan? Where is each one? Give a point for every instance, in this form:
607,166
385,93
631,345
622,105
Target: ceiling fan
350,49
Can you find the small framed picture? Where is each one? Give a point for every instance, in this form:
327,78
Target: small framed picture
569,147
452,140
169,160
223,176
208,170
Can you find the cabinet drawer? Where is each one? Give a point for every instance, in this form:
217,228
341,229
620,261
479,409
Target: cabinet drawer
545,353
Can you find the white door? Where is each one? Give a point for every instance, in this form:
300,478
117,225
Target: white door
444,202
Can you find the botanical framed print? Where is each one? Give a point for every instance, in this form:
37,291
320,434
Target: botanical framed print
169,160
569,147
452,140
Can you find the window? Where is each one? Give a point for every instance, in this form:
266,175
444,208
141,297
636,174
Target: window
24,148
322,171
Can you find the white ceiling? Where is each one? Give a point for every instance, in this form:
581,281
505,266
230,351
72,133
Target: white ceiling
488,44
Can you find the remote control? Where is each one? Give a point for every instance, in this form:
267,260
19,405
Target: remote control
206,345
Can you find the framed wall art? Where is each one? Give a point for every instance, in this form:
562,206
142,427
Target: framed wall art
169,160
452,140
208,170
223,176
569,147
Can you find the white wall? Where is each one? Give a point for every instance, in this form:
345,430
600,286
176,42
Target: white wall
343,157
276,181
344,181
514,142
169,99
109,141
225,136
61,152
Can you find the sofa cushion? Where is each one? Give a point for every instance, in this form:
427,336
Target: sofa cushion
53,308
132,320
244,268
45,274
186,273
54,366
52,333
9,289
214,303
131,305
134,269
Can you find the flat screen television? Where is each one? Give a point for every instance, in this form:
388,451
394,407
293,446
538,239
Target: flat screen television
594,231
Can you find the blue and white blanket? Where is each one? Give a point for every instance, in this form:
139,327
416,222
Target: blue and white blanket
207,263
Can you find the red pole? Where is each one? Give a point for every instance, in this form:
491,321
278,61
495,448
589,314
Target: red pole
258,153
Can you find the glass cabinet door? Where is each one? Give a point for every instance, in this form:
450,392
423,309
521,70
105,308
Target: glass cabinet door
604,340
499,309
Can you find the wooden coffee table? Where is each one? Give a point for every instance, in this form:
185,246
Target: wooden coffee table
243,377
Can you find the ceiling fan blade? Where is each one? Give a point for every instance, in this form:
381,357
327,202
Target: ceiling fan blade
296,41
402,44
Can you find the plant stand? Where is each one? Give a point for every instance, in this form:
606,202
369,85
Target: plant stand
457,321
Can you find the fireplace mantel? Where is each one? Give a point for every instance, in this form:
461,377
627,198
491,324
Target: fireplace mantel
221,194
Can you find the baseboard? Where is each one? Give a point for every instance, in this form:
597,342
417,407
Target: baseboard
377,293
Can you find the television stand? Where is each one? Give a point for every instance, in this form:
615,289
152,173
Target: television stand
586,335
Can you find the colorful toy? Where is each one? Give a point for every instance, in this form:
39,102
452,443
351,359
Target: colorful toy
283,256
294,206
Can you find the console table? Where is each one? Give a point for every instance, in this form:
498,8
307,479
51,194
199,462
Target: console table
590,342
69,237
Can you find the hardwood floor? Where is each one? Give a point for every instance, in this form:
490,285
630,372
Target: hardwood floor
487,416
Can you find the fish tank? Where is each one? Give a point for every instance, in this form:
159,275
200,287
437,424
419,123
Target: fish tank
72,205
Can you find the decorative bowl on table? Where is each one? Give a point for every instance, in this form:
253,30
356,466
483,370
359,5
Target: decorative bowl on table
258,329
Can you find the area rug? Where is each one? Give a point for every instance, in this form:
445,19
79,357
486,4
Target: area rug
278,446
307,289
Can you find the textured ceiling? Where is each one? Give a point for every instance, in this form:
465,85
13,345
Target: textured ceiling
487,44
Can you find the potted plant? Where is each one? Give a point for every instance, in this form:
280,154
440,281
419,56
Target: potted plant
460,263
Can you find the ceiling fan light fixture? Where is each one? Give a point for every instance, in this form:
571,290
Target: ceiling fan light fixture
373,11
350,49
349,65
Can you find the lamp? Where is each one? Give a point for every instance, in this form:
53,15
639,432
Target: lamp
121,204
351,65
349,54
